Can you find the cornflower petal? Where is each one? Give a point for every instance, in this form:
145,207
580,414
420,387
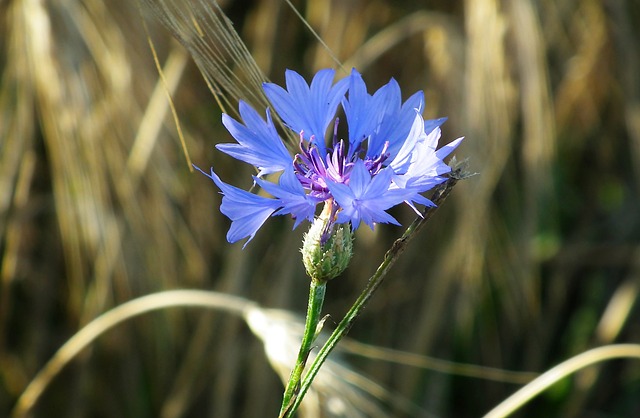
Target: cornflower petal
247,211
258,141
308,109
363,111
431,124
424,170
448,149
403,158
366,198
418,165
292,197
396,121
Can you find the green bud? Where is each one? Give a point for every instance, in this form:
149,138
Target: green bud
324,262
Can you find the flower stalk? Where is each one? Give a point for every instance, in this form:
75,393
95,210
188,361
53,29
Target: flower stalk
314,309
325,253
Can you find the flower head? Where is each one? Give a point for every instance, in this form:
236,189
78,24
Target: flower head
389,157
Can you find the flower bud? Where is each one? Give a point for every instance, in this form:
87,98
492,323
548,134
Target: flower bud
326,253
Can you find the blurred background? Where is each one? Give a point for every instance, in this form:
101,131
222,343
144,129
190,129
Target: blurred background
532,261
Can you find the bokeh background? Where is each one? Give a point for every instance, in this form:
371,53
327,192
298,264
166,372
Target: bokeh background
532,261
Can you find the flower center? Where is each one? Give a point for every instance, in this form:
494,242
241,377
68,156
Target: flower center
314,170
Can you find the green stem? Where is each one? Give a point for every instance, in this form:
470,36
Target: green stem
314,309
390,258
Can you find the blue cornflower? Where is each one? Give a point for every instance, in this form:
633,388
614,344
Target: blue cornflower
390,156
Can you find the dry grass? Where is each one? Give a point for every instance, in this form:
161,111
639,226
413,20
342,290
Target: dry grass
529,263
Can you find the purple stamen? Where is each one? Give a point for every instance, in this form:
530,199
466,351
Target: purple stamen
375,165
313,171
335,131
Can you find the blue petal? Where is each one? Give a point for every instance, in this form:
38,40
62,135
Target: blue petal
402,161
308,109
397,120
390,100
362,110
421,168
431,124
366,198
348,203
258,142
378,188
359,179
292,197
247,211
448,149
